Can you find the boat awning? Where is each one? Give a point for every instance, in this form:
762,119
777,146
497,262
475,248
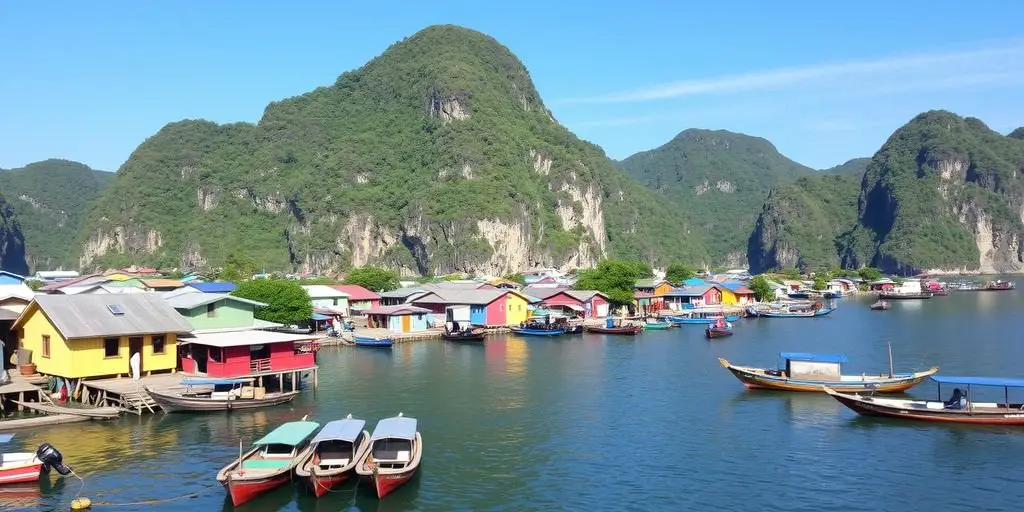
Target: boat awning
318,317
6,438
813,358
979,381
243,338
213,382
291,433
347,429
395,428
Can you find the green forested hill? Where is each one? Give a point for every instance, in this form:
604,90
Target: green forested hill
12,241
801,222
944,192
721,178
436,156
854,167
50,199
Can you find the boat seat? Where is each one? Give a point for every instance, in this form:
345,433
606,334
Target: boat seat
398,456
935,405
333,463
266,464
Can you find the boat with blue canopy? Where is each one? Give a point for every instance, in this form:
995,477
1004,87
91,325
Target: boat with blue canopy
337,448
700,317
368,341
961,407
394,454
209,394
801,371
270,463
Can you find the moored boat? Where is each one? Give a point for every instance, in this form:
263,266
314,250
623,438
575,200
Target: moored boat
790,310
368,341
997,286
905,296
222,395
464,336
269,464
336,450
809,372
657,325
529,331
23,467
958,409
880,305
396,448
629,330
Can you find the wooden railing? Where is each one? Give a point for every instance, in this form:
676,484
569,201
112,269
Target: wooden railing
259,365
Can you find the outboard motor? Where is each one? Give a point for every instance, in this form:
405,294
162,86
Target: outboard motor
51,458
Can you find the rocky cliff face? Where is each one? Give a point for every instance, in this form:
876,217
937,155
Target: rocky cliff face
12,241
719,176
438,156
944,193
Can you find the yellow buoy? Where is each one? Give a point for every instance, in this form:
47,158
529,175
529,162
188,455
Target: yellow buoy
81,504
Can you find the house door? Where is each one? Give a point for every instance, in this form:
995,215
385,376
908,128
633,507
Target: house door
405,323
134,347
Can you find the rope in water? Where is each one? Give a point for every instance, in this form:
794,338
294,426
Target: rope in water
88,503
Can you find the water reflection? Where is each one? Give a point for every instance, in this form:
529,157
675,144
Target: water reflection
517,351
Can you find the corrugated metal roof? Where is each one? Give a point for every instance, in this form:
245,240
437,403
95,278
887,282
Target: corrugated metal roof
401,309
402,293
243,338
356,292
219,287
21,291
323,291
188,298
162,283
475,297
88,316
543,292
583,295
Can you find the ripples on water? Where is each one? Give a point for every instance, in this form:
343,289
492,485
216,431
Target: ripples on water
607,423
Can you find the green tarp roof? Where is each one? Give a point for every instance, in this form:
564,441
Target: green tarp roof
291,433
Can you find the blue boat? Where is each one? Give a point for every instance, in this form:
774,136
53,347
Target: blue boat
366,341
526,331
697,318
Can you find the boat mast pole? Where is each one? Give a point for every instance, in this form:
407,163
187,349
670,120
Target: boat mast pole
890,361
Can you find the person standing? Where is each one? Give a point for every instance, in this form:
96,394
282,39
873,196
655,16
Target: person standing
134,362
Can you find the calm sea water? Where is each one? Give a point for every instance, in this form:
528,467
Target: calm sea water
607,423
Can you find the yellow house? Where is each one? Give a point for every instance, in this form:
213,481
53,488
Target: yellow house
516,311
83,336
662,288
728,296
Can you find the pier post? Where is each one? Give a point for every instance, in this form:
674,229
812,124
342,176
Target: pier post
21,398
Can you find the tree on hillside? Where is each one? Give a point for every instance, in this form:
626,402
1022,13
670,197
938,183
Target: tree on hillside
286,301
643,270
374,278
763,291
614,278
869,274
237,268
677,273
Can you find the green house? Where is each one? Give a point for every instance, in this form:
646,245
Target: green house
209,312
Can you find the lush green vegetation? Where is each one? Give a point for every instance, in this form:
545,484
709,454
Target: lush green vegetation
762,289
854,167
615,278
721,179
676,273
409,152
926,190
286,302
373,278
12,241
50,199
800,223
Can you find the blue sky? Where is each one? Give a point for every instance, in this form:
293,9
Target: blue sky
823,82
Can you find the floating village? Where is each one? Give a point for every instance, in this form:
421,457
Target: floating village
133,341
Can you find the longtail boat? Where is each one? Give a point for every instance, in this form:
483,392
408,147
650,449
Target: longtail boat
997,286
657,325
809,372
527,331
958,409
629,330
337,448
789,310
269,464
715,332
394,455
880,306
222,395
905,296
472,336
367,341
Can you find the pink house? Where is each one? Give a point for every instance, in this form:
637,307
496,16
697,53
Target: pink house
586,303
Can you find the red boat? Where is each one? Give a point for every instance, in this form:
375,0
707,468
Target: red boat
998,286
17,468
958,409
269,464
336,451
718,329
394,455
629,330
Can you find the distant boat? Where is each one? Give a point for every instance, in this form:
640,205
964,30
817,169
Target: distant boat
833,294
224,395
799,294
809,372
905,296
789,310
629,330
336,451
657,325
718,330
698,317
880,305
367,341
527,331
998,286
394,455
472,336
958,409
269,463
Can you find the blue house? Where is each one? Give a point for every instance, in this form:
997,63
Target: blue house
10,278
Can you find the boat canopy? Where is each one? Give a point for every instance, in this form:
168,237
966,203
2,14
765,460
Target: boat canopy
812,358
6,438
291,433
213,382
980,381
398,427
347,429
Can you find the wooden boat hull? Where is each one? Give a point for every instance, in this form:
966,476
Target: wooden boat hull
373,342
632,330
21,473
537,332
464,338
245,490
717,333
321,485
754,378
868,406
658,326
384,484
170,403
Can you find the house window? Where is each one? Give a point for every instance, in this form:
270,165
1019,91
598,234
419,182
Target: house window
211,310
46,346
158,344
111,347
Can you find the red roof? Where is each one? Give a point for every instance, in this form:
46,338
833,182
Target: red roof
642,295
743,290
356,292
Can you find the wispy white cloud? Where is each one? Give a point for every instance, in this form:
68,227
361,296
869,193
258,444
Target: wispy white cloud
992,64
